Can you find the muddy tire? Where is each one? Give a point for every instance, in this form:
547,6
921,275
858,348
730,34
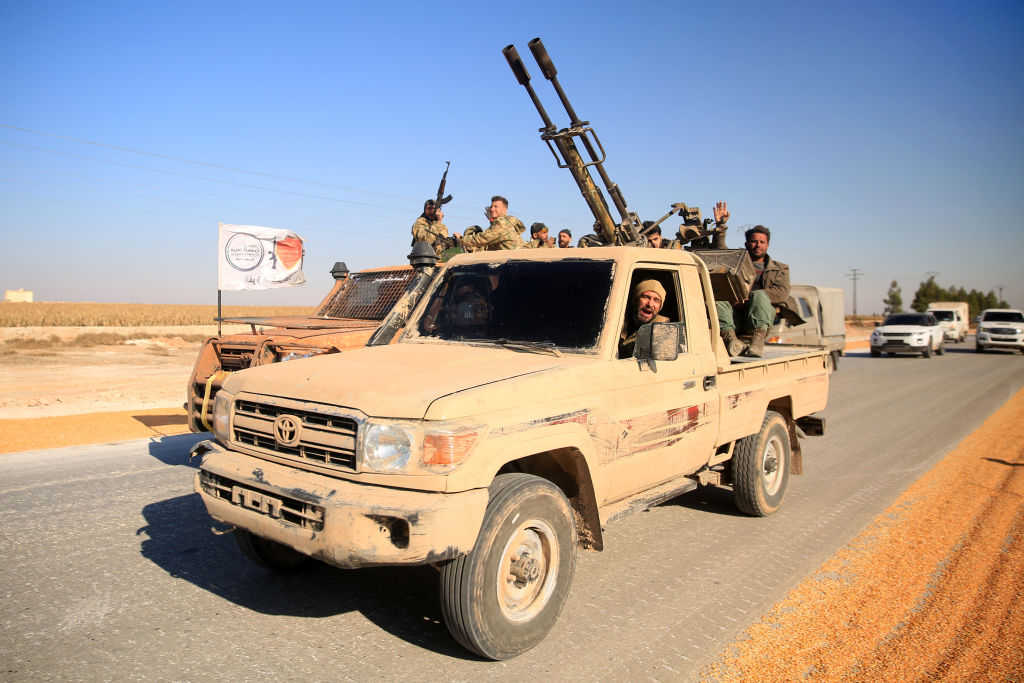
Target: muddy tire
927,353
504,596
270,554
760,467
941,350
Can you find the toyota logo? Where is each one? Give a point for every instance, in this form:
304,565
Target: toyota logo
287,429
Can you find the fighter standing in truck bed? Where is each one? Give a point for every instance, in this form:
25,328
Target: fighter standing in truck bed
429,228
503,232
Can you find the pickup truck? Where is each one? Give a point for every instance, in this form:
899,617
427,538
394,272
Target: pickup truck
346,318
824,321
502,431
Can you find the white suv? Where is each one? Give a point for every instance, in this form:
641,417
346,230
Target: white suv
908,333
1000,328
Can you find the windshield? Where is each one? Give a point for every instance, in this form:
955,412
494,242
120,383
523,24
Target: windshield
560,303
943,315
908,319
1003,317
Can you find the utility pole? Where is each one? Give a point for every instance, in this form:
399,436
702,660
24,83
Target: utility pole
854,275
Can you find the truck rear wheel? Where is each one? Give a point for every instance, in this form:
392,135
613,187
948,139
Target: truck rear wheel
269,554
760,467
503,597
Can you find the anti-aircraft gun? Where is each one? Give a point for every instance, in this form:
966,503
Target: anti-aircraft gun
732,272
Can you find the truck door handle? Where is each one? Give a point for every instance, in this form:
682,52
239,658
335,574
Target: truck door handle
710,382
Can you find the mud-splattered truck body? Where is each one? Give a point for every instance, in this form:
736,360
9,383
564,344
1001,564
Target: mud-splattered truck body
502,431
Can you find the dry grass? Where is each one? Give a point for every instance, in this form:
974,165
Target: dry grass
47,314
86,340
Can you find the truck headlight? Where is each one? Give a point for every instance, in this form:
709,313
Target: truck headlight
387,447
400,446
222,416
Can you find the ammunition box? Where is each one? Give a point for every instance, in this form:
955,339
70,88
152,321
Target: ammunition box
732,273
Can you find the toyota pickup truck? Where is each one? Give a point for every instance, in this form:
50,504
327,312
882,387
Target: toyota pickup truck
502,431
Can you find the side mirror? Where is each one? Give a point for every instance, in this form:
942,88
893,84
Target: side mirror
660,341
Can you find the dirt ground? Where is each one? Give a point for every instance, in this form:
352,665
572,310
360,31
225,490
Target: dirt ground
930,591
54,393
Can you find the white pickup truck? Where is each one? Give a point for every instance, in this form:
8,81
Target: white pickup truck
502,431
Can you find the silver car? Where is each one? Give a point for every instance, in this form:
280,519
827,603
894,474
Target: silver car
908,333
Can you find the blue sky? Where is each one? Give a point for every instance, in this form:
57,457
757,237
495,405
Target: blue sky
878,136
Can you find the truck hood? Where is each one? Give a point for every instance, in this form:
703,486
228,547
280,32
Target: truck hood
396,381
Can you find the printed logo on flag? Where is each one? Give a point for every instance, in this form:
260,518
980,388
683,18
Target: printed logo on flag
253,257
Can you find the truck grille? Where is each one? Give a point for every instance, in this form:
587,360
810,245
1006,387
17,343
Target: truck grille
1003,330
322,438
368,296
234,356
291,510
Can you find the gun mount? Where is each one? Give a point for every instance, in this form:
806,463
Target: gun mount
629,229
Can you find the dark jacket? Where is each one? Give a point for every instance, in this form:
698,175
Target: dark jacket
774,281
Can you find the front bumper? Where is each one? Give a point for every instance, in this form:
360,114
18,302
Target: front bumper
1005,341
340,522
899,346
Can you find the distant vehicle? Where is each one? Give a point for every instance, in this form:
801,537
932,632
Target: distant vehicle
347,317
1000,328
952,317
908,333
825,321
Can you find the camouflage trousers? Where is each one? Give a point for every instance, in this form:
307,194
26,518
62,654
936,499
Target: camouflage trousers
756,312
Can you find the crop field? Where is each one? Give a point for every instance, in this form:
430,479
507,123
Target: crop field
61,314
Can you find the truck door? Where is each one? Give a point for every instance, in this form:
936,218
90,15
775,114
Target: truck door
660,409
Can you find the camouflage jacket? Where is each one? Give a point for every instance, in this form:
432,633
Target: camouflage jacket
434,233
536,243
503,233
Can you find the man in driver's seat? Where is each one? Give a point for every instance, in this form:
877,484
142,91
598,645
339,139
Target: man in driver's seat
468,310
645,301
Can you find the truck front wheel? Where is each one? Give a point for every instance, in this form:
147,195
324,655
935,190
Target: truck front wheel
269,554
760,467
503,597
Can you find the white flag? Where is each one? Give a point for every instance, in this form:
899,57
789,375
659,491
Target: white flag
251,257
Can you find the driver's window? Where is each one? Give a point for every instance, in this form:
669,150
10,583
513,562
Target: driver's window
641,309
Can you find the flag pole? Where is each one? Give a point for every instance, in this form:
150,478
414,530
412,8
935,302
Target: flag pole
219,323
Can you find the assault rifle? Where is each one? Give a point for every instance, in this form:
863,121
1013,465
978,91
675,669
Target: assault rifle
441,199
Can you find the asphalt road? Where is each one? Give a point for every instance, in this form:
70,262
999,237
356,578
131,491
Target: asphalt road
110,570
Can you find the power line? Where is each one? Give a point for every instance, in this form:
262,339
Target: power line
206,163
195,177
